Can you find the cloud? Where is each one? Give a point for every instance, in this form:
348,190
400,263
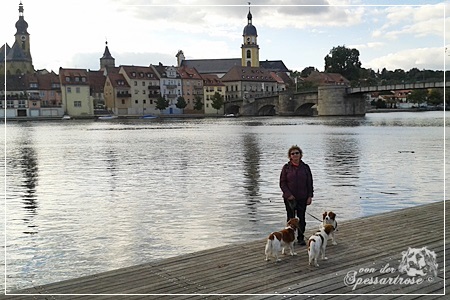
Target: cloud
421,58
203,16
418,21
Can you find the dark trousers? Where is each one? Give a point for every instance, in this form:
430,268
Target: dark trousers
298,208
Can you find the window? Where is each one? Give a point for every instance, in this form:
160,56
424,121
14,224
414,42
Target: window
77,103
136,101
77,90
10,103
135,83
83,79
123,101
67,79
22,104
249,54
143,83
77,79
69,90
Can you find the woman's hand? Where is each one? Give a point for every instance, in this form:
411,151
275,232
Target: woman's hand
291,197
308,201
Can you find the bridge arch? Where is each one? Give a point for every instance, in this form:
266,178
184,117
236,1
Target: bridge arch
267,110
306,109
232,109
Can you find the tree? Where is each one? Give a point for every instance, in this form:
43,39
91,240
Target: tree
181,103
198,105
306,71
217,101
344,61
162,103
435,97
417,96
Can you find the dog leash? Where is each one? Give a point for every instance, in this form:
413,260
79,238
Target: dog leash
314,217
306,212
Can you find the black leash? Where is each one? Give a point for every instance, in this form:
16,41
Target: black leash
292,207
314,217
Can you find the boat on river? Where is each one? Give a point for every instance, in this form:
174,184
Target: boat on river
148,117
108,117
66,117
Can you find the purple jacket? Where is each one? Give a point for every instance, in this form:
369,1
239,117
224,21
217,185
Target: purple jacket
296,181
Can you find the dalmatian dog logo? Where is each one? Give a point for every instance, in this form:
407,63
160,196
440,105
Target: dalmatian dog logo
418,262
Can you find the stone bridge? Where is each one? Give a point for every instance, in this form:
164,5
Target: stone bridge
394,87
324,101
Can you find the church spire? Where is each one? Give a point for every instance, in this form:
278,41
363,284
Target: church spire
249,15
107,60
21,24
250,48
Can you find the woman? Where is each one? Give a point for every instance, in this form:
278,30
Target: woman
296,182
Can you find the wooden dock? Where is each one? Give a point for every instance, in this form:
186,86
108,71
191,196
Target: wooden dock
239,271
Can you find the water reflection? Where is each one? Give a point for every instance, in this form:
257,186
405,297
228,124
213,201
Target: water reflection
342,164
252,157
27,161
342,159
111,166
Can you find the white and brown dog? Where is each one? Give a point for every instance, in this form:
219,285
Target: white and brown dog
330,218
317,244
281,240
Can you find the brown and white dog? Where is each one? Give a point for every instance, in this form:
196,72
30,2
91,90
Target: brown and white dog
281,240
317,244
330,218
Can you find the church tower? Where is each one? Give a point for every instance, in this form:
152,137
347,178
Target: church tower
250,48
107,61
17,59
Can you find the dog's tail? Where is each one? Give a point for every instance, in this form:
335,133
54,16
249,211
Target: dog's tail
269,246
273,245
310,241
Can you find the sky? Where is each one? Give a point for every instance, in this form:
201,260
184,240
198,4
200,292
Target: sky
72,34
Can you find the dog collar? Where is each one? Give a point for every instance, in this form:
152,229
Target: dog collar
321,236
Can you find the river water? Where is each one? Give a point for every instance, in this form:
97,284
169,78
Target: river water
84,197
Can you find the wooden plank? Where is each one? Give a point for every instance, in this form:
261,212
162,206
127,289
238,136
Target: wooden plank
240,269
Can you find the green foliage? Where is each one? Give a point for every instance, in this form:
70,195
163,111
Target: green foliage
217,101
306,71
181,103
198,105
447,96
435,97
344,61
162,103
417,96
380,104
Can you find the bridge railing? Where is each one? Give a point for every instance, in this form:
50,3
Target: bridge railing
406,86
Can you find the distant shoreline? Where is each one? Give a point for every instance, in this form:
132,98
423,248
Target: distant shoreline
388,110
195,116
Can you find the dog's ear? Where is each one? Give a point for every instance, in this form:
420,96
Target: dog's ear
332,215
324,215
